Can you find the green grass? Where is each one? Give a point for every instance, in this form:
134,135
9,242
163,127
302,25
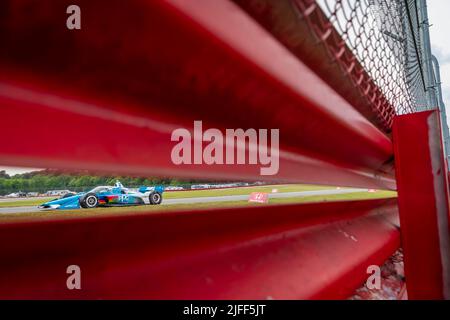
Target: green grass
25,203
197,206
337,197
242,191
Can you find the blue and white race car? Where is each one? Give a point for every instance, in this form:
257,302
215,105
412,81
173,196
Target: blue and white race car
106,196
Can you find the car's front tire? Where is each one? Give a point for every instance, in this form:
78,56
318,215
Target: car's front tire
155,198
89,201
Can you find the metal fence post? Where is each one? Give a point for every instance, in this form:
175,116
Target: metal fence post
426,54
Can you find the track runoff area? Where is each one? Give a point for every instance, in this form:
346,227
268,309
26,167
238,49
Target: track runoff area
200,199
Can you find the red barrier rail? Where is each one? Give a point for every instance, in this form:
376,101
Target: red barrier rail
108,97
279,252
107,80
305,30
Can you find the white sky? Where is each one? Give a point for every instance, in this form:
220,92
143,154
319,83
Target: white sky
439,15
15,170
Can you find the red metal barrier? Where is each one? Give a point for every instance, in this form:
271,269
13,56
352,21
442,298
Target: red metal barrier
324,51
107,98
106,80
423,203
279,252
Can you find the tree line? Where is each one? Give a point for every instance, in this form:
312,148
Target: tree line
44,180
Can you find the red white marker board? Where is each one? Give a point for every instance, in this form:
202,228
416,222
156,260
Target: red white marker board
259,197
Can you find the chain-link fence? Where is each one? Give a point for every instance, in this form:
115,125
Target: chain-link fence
374,53
384,35
390,39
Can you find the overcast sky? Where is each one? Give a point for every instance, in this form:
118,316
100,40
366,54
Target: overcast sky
439,15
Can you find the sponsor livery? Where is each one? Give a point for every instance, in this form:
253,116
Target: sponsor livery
106,196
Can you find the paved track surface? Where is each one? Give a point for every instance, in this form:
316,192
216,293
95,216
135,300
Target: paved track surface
23,199
9,210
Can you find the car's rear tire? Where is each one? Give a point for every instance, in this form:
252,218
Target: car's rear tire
89,201
155,198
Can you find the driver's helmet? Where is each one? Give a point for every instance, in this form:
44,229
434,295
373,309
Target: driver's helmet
118,184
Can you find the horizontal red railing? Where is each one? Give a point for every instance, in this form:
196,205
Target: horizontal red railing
282,252
303,28
107,98
127,84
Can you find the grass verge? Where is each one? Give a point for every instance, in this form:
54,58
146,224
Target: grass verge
193,193
24,203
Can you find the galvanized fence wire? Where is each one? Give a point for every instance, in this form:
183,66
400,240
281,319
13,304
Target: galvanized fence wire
384,36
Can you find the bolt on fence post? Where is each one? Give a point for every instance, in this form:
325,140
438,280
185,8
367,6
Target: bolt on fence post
423,200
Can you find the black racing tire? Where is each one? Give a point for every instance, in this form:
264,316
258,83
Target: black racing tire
89,201
155,198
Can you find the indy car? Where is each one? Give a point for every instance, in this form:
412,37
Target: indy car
107,196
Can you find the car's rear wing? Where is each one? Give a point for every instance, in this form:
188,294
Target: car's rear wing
144,189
